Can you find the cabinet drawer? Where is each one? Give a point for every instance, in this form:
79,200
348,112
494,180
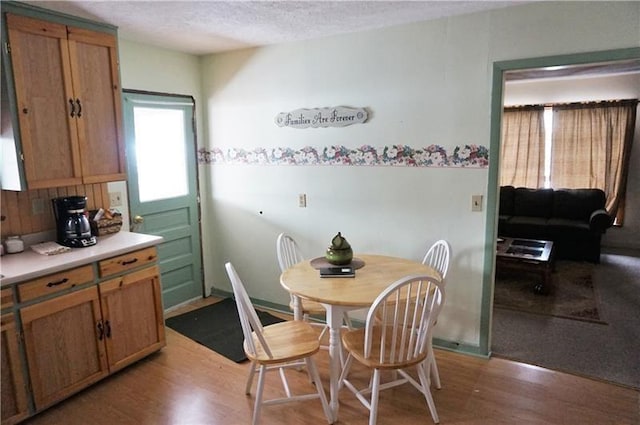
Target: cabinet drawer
6,297
127,261
55,282
7,320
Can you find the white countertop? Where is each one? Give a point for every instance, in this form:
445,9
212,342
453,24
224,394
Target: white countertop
29,264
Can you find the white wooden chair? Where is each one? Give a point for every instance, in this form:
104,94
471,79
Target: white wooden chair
289,253
280,346
437,256
396,336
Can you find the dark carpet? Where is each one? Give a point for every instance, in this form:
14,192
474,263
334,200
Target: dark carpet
572,294
217,327
606,352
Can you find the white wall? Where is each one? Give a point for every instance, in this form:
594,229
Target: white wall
396,211
423,83
621,86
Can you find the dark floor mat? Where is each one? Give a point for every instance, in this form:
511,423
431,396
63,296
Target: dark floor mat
217,327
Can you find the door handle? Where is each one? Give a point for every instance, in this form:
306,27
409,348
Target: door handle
100,327
136,224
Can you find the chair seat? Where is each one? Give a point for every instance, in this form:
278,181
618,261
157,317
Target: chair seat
309,307
288,341
353,342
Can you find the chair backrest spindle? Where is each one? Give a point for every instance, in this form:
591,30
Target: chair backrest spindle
248,317
399,324
438,257
288,251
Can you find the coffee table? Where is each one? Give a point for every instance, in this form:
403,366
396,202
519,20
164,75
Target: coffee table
529,255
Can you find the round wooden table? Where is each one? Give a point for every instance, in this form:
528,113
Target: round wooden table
342,294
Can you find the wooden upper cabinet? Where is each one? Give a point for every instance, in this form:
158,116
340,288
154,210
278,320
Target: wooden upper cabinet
94,64
42,78
68,103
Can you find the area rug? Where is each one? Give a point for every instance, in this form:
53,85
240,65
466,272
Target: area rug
217,327
572,294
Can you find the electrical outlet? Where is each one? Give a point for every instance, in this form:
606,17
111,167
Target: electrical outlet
115,199
476,203
302,200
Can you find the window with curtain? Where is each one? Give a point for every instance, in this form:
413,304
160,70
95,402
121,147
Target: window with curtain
591,144
522,151
589,147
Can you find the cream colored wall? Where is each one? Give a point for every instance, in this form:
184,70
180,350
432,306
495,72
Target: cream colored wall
423,83
391,210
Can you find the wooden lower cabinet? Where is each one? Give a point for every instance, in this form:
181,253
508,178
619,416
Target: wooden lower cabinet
64,343
75,339
14,406
133,317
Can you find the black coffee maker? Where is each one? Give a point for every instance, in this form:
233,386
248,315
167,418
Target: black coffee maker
72,225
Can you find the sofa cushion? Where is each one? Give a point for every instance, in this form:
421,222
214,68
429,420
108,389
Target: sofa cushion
533,202
577,204
567,226
507,195
503,224
527,227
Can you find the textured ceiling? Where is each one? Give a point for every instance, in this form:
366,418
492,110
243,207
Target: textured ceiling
202,27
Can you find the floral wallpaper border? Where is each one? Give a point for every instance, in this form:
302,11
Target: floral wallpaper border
392,155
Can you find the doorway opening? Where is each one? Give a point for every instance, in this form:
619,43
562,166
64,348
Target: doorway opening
562,68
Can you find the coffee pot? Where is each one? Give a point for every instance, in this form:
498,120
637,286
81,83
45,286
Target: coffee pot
72,225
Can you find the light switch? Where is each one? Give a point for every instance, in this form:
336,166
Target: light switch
476,203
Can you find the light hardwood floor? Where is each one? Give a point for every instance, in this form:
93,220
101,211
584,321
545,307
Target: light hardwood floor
186,383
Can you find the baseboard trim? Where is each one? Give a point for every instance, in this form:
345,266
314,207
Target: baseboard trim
458,347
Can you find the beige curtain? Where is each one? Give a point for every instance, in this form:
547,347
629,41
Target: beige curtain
591,148
522,147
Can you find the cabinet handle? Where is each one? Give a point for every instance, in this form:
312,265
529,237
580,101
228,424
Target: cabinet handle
127,262
107,329
73,108
79,108
59,282
100,330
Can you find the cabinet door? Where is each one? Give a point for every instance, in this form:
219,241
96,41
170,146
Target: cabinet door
132,313
14,392
64,341
42,77
96,85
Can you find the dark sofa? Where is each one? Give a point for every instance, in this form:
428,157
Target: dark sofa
574,219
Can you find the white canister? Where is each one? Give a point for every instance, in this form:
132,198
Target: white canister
14,244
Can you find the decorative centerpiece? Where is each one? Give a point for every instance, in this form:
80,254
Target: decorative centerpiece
340,252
